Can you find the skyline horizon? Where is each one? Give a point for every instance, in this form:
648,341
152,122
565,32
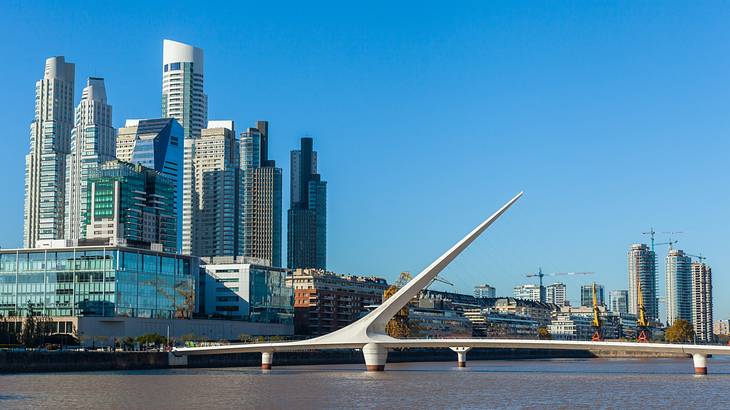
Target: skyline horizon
500,255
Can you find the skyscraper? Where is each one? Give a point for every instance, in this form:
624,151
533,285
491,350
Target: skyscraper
555,293
218,196
92,143
618,301
679,286
642,271
131,203
183,96
307,216
702,301
156,144
45,164
586,295
262,197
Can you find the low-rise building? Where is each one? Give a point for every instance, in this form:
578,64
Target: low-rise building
721,327
571,327
540,312
327,301
501,325
485,291
243,288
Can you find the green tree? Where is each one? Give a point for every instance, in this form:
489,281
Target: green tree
680,331
29,332
151,339
543,333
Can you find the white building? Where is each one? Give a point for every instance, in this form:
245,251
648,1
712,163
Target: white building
485,291
45,164
702,301
527,292
571,327
642,271
722,327
555,293
183,97
245,289
92,143
679,285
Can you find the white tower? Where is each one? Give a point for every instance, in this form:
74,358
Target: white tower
45,164
92,143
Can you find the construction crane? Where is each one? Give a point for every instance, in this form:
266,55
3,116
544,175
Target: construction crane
540,275
641,322
670,243
597,323
699,257
651,232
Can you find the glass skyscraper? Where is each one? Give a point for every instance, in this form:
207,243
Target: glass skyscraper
679,286
618,301
261,196
92,143
156,144
586,295
307,216
131,203
45,164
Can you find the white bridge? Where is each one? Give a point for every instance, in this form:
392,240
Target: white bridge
369,333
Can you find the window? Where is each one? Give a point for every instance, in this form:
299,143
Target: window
175,66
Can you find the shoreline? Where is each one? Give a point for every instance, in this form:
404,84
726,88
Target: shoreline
58,362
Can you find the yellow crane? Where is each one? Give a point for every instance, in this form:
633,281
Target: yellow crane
641,321
597,333
398,326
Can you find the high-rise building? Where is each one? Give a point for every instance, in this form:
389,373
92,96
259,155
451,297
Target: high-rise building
485,291
527,292
131,204
679,286
586,295
642,271
307,216
183,95
92,143
555,293
618,301
262,197
50,142
702,301
217,199
156,144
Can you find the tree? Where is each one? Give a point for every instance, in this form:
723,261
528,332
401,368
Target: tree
680,331
151,339
29,332
543,333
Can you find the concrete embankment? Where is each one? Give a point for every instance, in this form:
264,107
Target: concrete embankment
20,362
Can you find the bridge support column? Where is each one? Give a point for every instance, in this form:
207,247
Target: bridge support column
461,355
700,361
267,358
375,357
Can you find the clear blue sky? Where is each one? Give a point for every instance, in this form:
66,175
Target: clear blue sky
428,116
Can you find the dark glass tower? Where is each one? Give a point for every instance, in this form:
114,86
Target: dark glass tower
307,217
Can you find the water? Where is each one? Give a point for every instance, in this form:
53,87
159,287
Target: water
557,383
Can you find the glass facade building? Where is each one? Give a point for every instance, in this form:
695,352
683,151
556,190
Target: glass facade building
97,281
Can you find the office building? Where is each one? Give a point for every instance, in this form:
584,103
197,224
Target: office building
45,163
129,203
555,293
679,286
618,301
92,143
307,216
326,301
586,295
568,326
156,144
527,292
642,273
485,291
262,197
212,221
245,289
486,323
702,301
183,95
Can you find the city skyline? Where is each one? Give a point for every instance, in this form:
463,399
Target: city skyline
359,228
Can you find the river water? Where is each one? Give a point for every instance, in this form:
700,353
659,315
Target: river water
556,383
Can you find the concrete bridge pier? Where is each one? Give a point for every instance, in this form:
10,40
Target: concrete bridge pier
375,357
700,361
461,355
267,358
